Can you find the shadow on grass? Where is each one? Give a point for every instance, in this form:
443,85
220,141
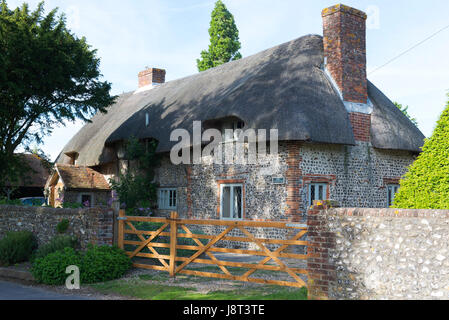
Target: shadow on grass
140,289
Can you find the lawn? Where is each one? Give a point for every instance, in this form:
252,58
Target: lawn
158,286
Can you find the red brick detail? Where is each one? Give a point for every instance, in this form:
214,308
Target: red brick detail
315,178
345,49
394,180
361,126
189,192
150,76
293,176
322,272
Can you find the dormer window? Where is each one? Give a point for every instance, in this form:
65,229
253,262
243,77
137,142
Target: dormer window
231,130
73,156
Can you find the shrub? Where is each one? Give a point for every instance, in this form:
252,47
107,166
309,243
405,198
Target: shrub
17,247
5,201
69,205
62,226
51,268
59,242
426,184
97,264
103,263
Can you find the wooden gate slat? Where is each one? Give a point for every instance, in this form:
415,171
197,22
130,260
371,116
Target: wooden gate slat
149,247
279,250
205,248
168,262
151,238
286,268
210,255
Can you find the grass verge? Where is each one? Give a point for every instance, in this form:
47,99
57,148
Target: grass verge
154,287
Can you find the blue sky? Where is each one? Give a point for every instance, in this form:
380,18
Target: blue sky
133,34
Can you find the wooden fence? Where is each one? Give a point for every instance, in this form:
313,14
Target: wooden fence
175,264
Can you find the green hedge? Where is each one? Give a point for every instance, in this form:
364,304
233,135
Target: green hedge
104,263
97,264
17,247
59,242
51,268
426,184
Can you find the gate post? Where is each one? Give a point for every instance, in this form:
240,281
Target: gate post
121,229
322,271
173,242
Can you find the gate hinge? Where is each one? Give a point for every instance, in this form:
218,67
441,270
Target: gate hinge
122,218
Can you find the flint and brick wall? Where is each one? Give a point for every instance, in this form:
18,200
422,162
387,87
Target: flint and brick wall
357,176
88,225
378,254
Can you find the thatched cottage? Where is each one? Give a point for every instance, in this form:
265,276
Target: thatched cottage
339,136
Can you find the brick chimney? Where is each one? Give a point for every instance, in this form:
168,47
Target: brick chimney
344,31
151,77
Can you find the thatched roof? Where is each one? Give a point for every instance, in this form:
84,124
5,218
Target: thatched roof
281,88
37,175
79,178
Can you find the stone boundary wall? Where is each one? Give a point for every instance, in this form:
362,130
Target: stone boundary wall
378,254
88,225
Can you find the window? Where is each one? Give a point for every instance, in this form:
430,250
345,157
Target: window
317,191
234,128
231,202
392,190
167,199
86,200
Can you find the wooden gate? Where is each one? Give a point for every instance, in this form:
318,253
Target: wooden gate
175,264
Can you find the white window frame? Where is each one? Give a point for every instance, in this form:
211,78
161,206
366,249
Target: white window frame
166,205
232,214
393,188
316,196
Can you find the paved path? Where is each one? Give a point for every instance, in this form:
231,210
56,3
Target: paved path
14,291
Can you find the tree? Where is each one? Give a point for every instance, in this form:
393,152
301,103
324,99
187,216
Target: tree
426,184
224,39
47,76
404,110
135,188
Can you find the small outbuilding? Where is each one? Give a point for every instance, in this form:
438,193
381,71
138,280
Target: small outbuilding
72,184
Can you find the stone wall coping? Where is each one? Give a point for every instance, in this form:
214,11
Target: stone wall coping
392,213
60,211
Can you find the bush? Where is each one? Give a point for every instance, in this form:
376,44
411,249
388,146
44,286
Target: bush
5,201
51,268
57,243
426,184
62,226
104,263
17,247
97,264
69,205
